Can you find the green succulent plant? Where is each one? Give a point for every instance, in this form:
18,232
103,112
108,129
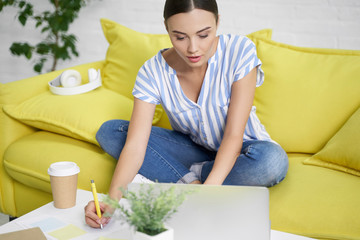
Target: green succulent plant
150,208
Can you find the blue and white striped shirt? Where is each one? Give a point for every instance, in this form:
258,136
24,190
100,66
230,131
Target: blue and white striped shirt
205,119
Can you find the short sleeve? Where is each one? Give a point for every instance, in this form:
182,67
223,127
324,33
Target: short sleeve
247,60
145,86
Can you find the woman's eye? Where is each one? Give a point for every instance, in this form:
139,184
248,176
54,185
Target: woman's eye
203,36
180,37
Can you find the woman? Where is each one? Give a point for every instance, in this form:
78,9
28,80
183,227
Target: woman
206,84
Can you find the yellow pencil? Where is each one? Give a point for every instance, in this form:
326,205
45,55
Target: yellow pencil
96,200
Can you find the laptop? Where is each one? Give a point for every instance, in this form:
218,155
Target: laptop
220,212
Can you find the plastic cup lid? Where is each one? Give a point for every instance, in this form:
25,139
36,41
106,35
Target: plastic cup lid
61,169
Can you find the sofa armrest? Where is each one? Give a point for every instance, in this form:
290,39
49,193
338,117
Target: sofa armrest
11,129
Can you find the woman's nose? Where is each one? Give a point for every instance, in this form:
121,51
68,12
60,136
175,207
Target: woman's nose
192,48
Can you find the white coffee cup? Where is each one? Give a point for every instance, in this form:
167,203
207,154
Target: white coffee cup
63,179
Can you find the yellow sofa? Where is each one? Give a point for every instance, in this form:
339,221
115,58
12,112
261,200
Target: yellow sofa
309,104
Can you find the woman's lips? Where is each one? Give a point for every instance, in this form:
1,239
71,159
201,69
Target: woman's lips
194,59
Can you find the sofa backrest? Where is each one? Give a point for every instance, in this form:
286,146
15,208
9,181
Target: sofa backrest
308,93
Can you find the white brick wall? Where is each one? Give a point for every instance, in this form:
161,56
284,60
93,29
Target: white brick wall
308,23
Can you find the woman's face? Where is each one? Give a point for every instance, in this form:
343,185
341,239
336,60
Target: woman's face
193,35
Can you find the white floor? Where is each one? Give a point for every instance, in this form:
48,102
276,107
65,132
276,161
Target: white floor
3,219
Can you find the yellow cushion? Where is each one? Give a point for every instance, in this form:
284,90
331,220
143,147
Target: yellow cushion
127,52
263,33
77,116
342,152
308,93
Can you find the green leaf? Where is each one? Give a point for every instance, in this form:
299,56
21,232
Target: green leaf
38,67
22,19
42,48
19,49
44,29
24,14
28,54
39,20
22,4
69,43
4,3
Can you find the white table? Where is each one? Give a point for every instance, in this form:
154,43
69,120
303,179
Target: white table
75,216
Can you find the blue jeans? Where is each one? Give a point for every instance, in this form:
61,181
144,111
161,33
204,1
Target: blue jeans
170,154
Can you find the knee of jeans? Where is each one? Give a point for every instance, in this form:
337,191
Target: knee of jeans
277,164
107,129
272,163
102,132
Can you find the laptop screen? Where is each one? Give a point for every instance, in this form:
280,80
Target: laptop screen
220,212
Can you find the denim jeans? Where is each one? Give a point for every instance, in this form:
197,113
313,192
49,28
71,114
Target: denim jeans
170,154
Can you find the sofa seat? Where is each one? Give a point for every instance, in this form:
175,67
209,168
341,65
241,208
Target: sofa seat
314,201
27,160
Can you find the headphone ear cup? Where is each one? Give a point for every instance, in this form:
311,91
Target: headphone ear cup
70,78
92,74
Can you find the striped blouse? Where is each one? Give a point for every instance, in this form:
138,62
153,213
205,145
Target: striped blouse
205,119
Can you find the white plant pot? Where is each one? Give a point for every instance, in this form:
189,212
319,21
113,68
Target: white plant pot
168,234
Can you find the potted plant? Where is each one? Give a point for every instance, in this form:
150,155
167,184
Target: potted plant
149,209
54,22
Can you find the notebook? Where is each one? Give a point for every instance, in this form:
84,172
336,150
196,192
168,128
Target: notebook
29,234
220,213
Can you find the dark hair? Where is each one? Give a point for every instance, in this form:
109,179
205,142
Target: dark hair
173,7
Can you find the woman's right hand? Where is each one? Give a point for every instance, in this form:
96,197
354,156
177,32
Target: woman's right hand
92,219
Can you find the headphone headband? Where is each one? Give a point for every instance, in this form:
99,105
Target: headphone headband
94,82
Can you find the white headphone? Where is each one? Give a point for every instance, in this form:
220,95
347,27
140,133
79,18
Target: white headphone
70,80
